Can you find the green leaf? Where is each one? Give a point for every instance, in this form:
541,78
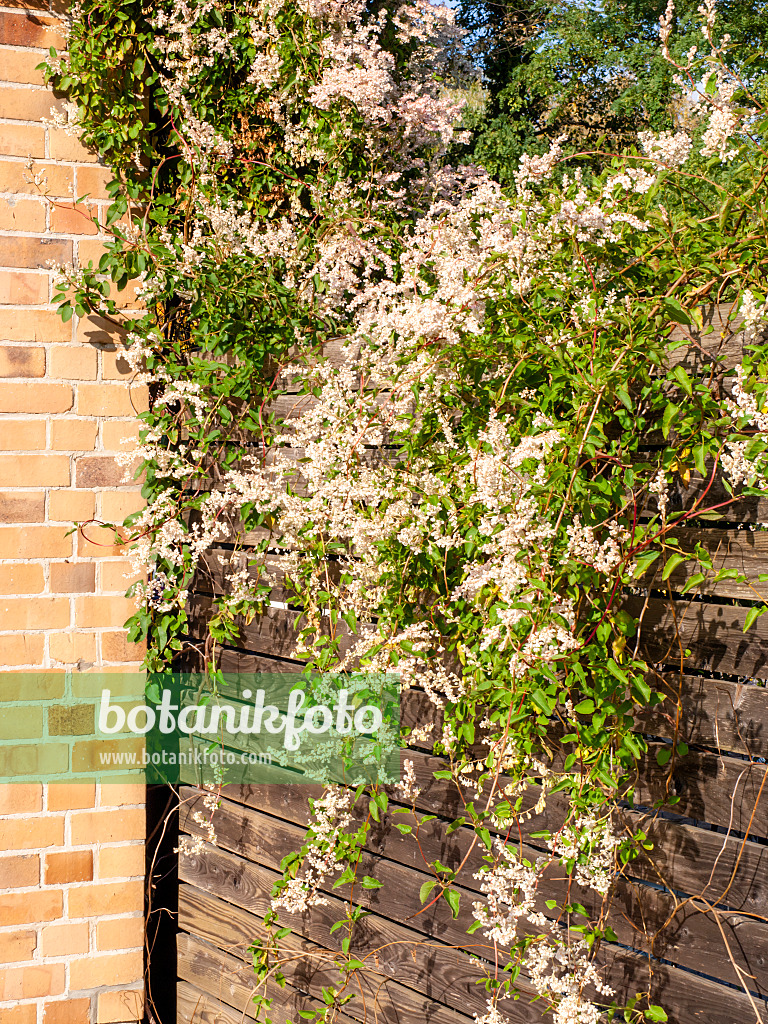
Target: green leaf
644,561
683,380
585,707
370,883
675,312
753,615
675,559
694,581
655,1013
453,897
666,421
426,889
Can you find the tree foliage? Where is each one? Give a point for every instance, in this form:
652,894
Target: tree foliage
591,70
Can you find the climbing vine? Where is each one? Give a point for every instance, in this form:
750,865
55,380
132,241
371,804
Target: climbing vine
450,414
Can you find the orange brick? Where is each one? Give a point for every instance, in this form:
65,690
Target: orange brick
115,365
107,900
20,360
20,797
31,907
21,215
72,577
31,981
30,757
103,611
22,139
48,685
115,577
71,506
65,939
71,719
35,470
21,104
101,471
68,218
24,1014
127,297
35,542
91,251
37,398
35,253
32,834
24,290
123,794
68,1011
68,796
116,506
99,542
20,872
125,861
34,325
109,400
19,65
16,651
116,826
16,946
35,612
22,507
94,330
21,579
117,1007
72,647
68,866
73,435
116,647
67,147
120,933
22,435
40,32
93,181
15,177
117,969
73,362
21,723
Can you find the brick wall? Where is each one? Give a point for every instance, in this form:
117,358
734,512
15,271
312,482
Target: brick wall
71,856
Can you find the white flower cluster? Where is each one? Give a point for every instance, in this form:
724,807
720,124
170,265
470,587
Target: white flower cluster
331,816
670,149
604,556
745,412
561,971
590,843
510,889
723,121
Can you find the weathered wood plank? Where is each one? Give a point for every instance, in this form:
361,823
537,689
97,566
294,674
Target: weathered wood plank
713,633
691,938
425,964
233,929
729,716
246,884
745,551
721,343
689,859
231,984
274,633
193,1006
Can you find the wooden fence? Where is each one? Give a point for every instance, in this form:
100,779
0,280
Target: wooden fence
691,923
